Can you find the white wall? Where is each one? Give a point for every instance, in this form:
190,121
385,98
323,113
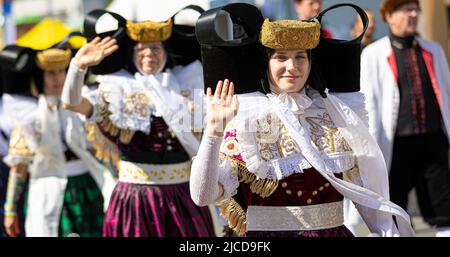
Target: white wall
24,8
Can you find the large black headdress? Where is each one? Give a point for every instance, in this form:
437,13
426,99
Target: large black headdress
230,47
339,60
103,23
16,64
182,46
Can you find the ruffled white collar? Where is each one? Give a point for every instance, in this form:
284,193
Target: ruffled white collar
258,106
298,103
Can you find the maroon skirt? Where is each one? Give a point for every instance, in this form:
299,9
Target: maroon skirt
155,211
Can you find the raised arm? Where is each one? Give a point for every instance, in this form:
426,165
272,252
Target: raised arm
19,157
90,54
221,108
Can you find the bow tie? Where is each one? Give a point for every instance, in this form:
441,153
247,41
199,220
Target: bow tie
296,102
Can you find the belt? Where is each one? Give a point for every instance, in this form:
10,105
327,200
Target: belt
295,218
154,174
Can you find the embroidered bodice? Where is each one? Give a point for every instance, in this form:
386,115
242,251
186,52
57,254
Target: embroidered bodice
127,126
283,176
277,151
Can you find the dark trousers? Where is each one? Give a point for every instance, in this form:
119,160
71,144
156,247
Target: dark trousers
421,162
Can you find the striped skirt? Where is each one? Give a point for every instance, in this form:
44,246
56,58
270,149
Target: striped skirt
137,210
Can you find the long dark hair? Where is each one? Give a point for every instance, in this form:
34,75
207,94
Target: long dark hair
314,80
38,79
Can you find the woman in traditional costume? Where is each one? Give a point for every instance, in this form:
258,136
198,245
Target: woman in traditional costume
64,197
16,105
142,124
287,158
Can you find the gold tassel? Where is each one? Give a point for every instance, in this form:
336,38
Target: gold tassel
270,186
239,224
107,155
90,131
108,125
104,124
245,176
99,153
105,150
257,186
114,131
232,219
234,214
263,187
115,158
126,136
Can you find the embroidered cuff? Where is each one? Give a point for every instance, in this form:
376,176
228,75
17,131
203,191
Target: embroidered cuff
16,185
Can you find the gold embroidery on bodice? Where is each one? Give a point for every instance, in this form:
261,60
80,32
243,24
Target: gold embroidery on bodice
325,135
275,142
18,143
137,103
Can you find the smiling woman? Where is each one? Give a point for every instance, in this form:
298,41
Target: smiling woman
280,164
149,57
288,70
136,112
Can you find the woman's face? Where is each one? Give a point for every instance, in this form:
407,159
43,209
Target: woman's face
54,82
288,70
149,56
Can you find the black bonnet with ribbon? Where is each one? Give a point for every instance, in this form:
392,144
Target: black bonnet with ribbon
182,46
103,23
17,64
230,47
339,61
20,65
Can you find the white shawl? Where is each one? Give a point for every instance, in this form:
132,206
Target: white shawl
371,194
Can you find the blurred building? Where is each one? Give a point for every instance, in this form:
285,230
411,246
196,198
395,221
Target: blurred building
435,23
19,16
